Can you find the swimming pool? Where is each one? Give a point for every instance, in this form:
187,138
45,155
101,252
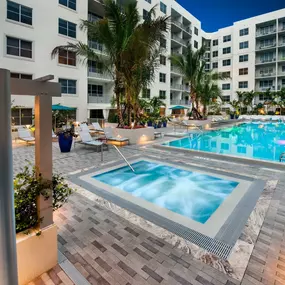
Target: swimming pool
256,140
190,194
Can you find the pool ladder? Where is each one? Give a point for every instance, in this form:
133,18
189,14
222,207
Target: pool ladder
124,158
282,156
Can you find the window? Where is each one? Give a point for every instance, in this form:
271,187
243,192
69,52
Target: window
148,1
226,98
243,71
215,65
19,47
93,17
243,84
283,68
195,44
68,86
227,38
66,28
22,76
267,57
265,97
226,74
146,93
226,86
95,45
95,66
162,94
265,84
145,14
95,90
226,62
22,116
163,7
68,3
162,60
243,32
215,42
243,45
67,57
162,43
215,53
243,58
207,66
283,82
162,77
19,13
226,50
196,31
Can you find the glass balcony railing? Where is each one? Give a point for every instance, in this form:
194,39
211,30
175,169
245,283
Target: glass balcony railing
260,33
99,99
182,26
180,87
270,45
99,75
180,102
265,60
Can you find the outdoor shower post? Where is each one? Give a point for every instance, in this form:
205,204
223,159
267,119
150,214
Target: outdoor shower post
8,253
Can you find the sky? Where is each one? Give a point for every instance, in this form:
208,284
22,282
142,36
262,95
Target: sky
216,14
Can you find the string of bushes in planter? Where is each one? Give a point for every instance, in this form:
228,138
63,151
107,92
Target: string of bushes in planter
27,189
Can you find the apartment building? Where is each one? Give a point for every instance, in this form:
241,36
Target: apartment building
251,51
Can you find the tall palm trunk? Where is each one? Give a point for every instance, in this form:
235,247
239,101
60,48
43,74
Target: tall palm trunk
118,91
195,113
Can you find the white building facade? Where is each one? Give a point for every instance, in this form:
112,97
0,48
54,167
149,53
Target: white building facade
252,51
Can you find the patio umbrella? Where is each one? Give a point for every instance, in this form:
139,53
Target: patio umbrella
178,107
59,107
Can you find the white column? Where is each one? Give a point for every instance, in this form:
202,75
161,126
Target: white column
43,153
8,259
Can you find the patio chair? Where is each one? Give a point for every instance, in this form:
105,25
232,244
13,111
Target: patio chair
108,132
97,127
190,126
85,128
25,135
87,140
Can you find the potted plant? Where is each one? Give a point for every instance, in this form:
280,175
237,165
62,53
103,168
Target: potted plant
149,122
232,115
65,138
159,124
164,122
154,124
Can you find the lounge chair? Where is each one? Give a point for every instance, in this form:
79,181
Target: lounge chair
87,140
85,128
190,126
25,135
97,127
108,132
157,134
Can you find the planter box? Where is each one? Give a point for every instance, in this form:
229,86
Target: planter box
36,254
136,136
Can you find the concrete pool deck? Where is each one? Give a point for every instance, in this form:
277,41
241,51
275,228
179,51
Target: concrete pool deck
82,220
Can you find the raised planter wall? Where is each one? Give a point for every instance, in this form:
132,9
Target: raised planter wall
36,254
136,136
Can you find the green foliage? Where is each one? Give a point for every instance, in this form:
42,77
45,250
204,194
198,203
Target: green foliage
27,189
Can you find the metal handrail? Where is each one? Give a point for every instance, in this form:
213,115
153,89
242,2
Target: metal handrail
124,158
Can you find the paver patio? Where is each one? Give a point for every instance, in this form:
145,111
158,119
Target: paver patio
107,249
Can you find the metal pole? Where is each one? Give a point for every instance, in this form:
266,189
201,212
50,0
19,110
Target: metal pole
8,253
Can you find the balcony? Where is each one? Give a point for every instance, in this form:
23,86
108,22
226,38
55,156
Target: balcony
263,89
100,75
268,74
281,29
262,47
180,102
181,26
265,33
281,58
98,48
179,40
268,60
98,99
281,44
281,86
180,87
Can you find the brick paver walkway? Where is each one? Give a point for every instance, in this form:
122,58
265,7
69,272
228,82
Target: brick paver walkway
107,249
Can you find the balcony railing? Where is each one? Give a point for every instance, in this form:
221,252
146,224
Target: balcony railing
281,44
267,46
279,87
180,87
263,89
281,58
266,60
97,47
103,76
178,39
269,74
99,99
182,26
265,33
282,28
180,102
175,70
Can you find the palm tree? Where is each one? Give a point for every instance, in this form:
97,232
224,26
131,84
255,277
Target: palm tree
122,33
246,98
190,65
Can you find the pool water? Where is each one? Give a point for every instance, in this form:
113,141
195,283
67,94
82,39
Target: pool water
191,194
256,140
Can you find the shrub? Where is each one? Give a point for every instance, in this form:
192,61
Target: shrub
27,189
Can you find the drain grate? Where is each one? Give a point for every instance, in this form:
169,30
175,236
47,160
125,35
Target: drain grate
214,246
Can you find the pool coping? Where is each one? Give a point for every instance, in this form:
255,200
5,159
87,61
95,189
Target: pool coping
221,247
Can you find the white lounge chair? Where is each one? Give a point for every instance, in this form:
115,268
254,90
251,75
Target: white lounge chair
25,135
87,140
97,127
108,132
190,125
